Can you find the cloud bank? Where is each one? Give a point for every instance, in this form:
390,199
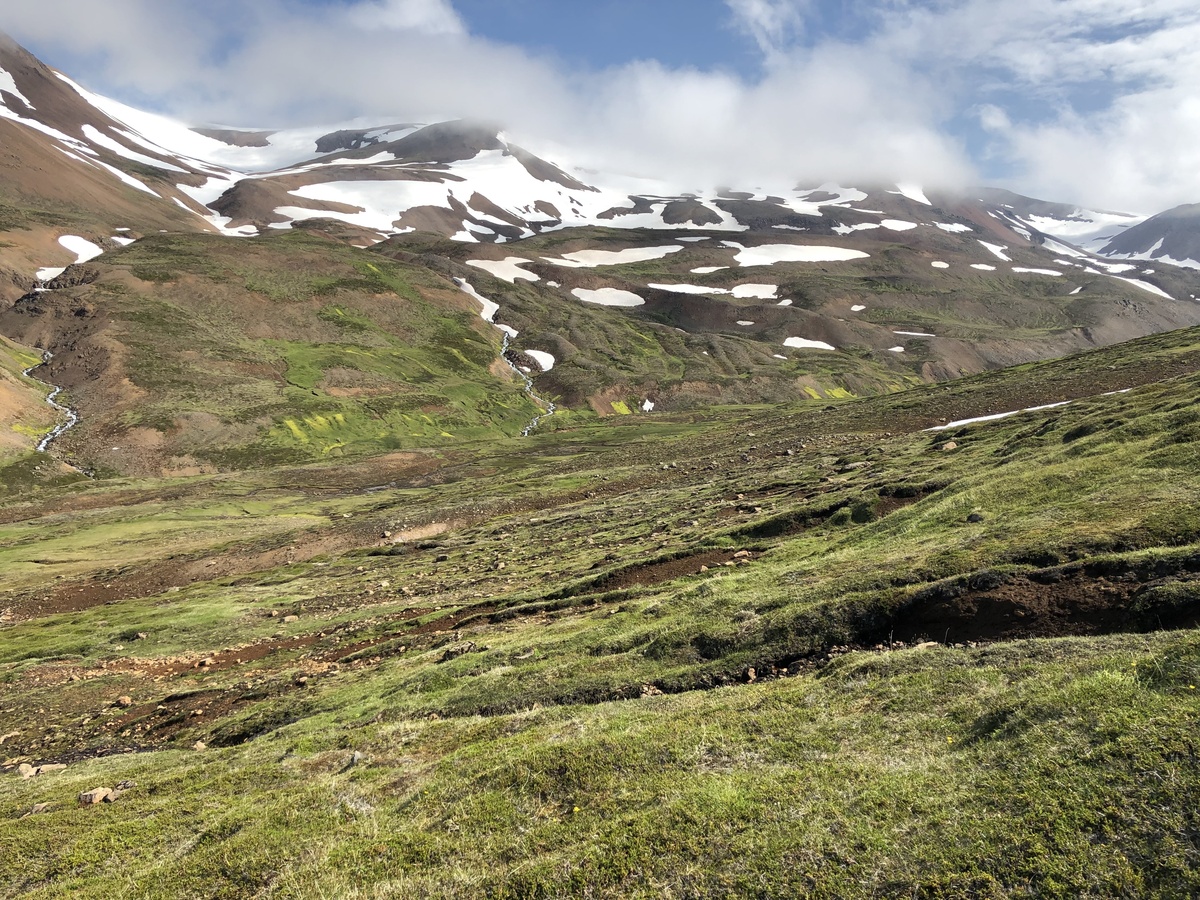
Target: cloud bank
1080,100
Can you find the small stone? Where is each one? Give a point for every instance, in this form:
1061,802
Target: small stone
124,702
47,769
949,445
704,568
288,620
25,770
206,663
751,675
975,518
39,808
742,554
443,557
141,635
927,645
94,796
301,681
274,614
199,745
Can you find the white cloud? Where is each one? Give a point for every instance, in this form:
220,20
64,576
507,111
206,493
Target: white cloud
425,16
771,23
1089,101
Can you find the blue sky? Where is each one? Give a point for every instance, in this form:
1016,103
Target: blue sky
1093,101
598,35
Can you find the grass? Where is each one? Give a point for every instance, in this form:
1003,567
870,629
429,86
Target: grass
742,650
535,722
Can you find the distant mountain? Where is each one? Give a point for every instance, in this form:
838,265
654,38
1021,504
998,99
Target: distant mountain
1172,237
616,293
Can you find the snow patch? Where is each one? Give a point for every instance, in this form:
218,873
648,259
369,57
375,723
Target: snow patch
590,259
997,250
787,302
83,249
915,333
898,225
96,136
609,297
744,323
805,344
1036,271
770,254
647,406
850,229
994,416
983,267
953,227
912,192
507,269
8,84
544,360
490,307
707,270
940,265
49,273
123,241
895,349
858,308
1145,286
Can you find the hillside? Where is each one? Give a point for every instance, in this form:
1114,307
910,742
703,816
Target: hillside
685,636
391,509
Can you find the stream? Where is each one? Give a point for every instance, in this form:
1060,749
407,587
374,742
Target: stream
550,407
72,417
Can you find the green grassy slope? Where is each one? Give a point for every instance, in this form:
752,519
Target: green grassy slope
658,658
190,353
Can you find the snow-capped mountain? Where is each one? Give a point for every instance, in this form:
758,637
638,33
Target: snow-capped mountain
1171,237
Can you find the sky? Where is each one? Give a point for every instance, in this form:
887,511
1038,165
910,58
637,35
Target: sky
1094,102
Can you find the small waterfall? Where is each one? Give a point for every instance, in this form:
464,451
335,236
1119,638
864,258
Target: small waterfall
550,407
72,419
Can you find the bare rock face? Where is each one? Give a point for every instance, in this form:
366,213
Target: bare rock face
74,276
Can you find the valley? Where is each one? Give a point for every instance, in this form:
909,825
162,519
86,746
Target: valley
389,511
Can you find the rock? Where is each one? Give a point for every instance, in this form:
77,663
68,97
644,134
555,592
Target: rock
704,568
199,745
206,663
47,769
301,681
949,445
141,635
124,702
25,770
649,690
457,650
927,645
751,675
975,518
443,557
287,620
39,808
742,554
95,795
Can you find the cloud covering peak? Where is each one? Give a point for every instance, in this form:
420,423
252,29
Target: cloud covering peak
1080,100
